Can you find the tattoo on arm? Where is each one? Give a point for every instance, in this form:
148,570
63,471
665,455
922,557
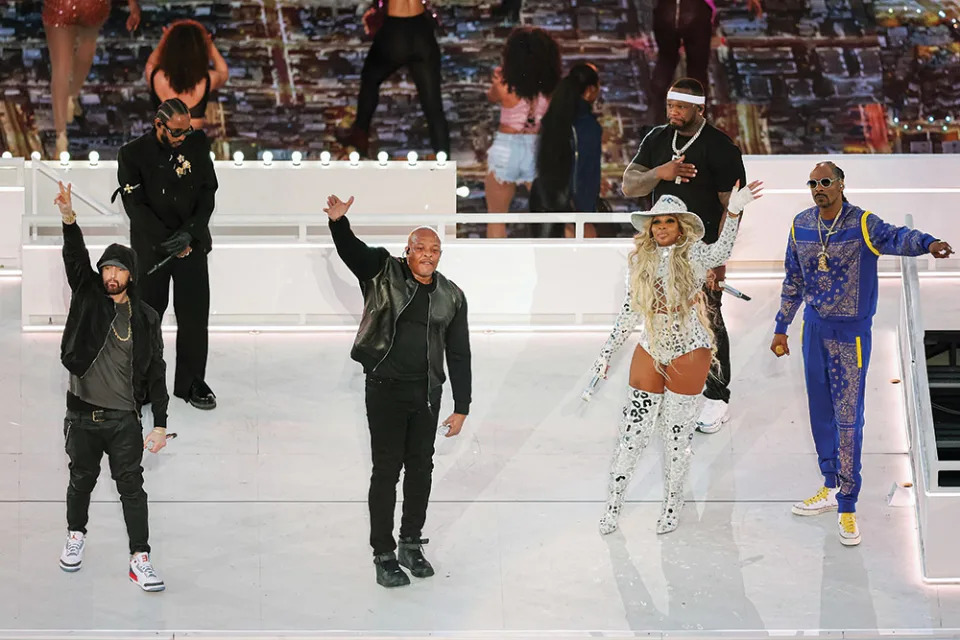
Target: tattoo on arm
639,181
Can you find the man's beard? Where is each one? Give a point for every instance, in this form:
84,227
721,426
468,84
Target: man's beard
120,288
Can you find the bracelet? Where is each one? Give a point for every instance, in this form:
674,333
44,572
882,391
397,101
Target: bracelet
733,215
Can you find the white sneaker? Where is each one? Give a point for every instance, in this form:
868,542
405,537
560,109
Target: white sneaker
849,531
72,556
713,415
143,573
821,502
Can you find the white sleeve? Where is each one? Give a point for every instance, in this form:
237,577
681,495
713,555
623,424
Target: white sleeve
716,254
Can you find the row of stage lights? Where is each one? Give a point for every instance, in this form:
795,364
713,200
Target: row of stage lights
930,121
296,158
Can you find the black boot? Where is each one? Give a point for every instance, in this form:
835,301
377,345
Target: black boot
410,554
389,573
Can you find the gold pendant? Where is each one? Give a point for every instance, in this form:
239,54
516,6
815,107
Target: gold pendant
822,262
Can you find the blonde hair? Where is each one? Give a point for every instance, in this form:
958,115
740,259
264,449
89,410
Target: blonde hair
675,295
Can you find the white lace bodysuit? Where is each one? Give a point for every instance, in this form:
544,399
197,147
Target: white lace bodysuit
674,337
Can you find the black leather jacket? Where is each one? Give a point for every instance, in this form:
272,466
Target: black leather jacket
91,313
388,286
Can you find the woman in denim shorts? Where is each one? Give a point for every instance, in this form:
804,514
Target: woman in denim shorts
529,72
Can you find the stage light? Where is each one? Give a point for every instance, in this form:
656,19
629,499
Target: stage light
35,156
267,158
296,157
948,119
463,191
930,119
441,158
7,155
919,128
412,158
354,158
383,157
896,120
919,12
94,158
941,13
64,158
325,158
905,127
946,128
238,158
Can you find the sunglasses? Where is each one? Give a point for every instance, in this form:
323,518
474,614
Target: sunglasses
823,182
176,133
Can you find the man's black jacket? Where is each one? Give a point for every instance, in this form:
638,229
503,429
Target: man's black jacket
91,313
166,190
388,286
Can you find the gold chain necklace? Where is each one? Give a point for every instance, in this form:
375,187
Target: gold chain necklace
822,264
129,326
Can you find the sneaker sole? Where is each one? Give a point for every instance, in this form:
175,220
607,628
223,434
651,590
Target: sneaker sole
147,587
849,542
812,512
70,568
712,428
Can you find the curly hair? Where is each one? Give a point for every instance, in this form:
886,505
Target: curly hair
672,298
530,63
183,55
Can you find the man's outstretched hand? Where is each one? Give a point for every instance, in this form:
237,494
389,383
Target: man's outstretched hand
941,249
337,208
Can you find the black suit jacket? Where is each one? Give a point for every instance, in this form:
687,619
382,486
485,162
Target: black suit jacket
166,190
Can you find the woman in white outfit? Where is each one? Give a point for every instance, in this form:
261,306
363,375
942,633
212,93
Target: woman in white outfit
667,270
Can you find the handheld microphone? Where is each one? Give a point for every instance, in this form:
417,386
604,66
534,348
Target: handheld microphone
734,292
591,388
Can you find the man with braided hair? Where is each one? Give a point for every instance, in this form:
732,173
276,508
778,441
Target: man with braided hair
168,186
831,265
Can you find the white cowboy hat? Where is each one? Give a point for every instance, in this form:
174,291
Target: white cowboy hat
669,205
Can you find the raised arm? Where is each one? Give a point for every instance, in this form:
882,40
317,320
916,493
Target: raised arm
76,258
458,360
221,72
716,254
365,262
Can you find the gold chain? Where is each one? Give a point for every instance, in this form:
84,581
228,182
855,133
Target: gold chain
129,326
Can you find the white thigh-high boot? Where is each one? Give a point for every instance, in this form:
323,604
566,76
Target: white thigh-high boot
678,419
636,426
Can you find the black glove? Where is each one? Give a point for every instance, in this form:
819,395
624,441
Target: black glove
177,243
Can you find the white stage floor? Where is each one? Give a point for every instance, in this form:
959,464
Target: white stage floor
259,522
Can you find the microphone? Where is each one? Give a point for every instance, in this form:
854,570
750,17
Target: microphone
160,264
591,388
734,292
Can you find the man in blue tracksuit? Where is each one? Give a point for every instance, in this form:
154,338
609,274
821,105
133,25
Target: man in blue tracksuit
831,265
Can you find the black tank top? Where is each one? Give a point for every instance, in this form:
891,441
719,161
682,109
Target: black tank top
198,110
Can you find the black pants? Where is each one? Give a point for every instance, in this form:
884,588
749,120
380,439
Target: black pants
410,43
191,304
402,432
119,435
718,382
692,27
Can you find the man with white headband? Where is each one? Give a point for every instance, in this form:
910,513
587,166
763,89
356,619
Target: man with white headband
693,160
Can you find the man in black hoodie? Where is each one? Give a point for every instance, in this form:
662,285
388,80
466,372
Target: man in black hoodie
412,316
168,185
113,349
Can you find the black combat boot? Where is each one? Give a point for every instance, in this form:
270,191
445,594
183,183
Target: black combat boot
389,573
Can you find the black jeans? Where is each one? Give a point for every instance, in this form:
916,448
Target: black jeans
191,304
119,435
691,26
718,382
402,432
410,43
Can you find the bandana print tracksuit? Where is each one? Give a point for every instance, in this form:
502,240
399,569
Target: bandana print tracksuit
836,340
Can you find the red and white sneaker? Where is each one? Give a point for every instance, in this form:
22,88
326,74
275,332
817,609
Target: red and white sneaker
143,574
72,556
